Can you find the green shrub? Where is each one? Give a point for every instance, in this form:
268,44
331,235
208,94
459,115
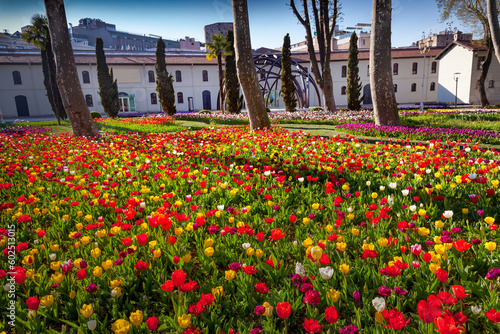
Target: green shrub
204,111
95,114
268,110
497,106
316,109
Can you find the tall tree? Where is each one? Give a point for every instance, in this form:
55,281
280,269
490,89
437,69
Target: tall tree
232,86
287,80
67,75
217,49
494,26
325,18
354,85
474,14
108,88
385,107
38,35
247,74
164,81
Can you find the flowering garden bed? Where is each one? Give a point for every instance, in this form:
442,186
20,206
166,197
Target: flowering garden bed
271,231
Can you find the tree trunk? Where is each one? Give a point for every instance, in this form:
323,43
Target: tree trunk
67,75
56,95
247,73
484,72
385,107
46,82
221,83
327,90
494,26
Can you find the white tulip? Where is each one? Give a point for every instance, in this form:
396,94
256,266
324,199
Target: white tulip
405,192
52,256
326,273
379,304
300,269
475,309
448,214
368,183
413,208
220,207
393,185
245,245
382,188
92,324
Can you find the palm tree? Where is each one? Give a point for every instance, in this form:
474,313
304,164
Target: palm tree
218,48
38,35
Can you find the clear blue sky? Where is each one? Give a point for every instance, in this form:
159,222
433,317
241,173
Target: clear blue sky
270,20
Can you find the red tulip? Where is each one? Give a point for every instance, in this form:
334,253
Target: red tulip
331,315
168,286
395,318
152,323
442,275
283,310
142,239
312,326
178,277
447,325
461,245
493,315
427,311
33,303
277,234
293,218
459,291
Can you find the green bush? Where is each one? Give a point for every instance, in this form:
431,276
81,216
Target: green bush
316,109
204,111
95,114
268,110
497,106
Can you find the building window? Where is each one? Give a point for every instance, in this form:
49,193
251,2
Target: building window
480,61
491,84
433,86
151,76
88,99
86,77
342,91
364,41
395,69
413,87
154,100
434,67
414,68
178,76
368,70
395,88
204,75
17,78
344,71
180,98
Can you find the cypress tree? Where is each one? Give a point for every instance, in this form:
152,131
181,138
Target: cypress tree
231,78
108,88
164,81
354,85
287,85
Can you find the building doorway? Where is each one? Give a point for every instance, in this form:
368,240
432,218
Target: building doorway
207,103
22,106
190,104
368,95
127,102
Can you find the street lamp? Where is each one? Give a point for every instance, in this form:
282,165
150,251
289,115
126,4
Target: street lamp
455,77
424,48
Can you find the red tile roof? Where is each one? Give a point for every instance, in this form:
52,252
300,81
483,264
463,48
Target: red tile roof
472,46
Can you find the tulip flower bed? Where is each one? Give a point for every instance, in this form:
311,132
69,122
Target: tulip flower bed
223,230
153,124
422,133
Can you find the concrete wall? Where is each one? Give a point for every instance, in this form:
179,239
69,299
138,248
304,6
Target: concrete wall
457,59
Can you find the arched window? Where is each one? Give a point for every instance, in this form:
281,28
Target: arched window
413,87
17,78
180,98
342,90
178,76
344,71
154,100
204,75
89,100
434,67
414,68
491,84
395,88
395,69
433,86
86,77
151,76
368,70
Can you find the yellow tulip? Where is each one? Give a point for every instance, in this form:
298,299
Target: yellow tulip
491,246
209,251
47,301
383,242
186,258
308,242
209,243
55,265
87,310
250,251
344,268
230,274
379,317
54,248
217,291
136,318
108,264
316,253
96,252
97,272
184,321
333,295
120,326
269,309
57,278
489,220
259,252
355,231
